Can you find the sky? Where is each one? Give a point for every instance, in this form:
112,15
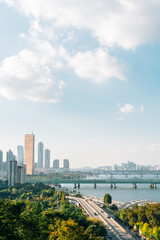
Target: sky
83,76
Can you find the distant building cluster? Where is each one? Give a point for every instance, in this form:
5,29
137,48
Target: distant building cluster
133,166
16,167
43,163
129,166
65,165
126,166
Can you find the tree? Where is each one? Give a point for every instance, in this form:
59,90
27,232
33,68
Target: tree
156,233
29,227
96,230
107,198
123,215
146,230
66,230
113,207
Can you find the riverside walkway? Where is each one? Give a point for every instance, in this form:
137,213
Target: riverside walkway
112,181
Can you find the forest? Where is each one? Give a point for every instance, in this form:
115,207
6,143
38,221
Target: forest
145,218
36,212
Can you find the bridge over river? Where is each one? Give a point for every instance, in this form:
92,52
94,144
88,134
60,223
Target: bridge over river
112,181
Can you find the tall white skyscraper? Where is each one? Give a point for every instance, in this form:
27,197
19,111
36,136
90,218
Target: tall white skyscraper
47,158
40,154
20,155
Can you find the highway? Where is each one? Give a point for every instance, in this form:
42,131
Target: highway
113,228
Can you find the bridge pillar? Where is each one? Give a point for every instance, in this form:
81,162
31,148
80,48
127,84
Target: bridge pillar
126,175
75,185
95,185
155,186
114,185
78,185
134,185
111,186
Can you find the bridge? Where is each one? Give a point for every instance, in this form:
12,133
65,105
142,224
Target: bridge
126,172
112,181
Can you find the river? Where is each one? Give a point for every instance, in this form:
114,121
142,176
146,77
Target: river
123,192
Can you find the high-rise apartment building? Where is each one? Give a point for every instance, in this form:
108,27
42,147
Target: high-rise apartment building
4,166
47,158
40,154
56,164
29,153
9,157
66,164
12,179
1,160
21,174
20,155
17,174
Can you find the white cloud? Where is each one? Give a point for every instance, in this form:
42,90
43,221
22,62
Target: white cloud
128,108
124,23
154,147
141,109
120,119
27,76
22,35
96,65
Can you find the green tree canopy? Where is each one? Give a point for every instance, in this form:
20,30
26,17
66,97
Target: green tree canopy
107,198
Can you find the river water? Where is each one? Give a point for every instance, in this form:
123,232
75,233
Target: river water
123,192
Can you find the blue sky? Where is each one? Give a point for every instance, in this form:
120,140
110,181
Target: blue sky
84,78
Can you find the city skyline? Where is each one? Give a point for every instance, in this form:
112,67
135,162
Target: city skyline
41,153
85,82
49,154
54,164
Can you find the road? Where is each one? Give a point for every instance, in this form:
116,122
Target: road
137,202
113,228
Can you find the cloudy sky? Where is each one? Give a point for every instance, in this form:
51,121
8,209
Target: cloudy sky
84,77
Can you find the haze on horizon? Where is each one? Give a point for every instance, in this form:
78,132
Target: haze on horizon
83,77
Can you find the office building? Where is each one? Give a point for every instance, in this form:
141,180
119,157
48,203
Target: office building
131,165
21,174
12,179
40,154
47,158
29,153
9,157
124,166
4,166
20,155
56,164
66,164
1,160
